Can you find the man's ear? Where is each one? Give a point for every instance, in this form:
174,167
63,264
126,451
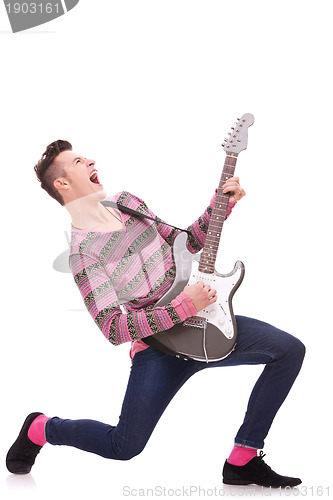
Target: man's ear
61,184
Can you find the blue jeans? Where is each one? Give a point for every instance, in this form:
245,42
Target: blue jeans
156,377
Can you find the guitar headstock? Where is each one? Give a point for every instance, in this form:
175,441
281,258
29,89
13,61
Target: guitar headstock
237,138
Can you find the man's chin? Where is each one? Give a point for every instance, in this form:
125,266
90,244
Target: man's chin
101,193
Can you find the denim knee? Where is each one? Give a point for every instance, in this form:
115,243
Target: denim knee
296,349
127,451
299,349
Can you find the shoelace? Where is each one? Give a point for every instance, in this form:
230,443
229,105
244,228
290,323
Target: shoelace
260,460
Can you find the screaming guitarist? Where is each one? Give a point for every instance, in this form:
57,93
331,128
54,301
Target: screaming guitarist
122,265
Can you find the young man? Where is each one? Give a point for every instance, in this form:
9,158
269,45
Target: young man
122,265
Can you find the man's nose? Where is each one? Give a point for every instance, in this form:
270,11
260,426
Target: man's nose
89,162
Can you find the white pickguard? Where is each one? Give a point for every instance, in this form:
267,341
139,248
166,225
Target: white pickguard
219,313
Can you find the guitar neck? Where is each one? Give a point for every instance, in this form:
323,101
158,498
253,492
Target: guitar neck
218,216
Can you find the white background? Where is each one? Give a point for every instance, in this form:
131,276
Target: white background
149,89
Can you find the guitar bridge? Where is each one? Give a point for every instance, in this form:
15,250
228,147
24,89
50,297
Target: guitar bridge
196,322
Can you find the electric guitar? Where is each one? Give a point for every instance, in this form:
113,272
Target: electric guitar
210,335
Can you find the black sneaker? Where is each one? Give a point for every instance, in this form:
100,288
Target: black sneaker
256,471
22,455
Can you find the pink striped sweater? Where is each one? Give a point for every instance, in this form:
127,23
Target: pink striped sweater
122,274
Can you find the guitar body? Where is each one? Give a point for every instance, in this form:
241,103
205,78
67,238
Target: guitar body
211,334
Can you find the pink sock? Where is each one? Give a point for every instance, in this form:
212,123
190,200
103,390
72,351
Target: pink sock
36,430
240,455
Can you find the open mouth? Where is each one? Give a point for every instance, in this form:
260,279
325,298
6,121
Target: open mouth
93,177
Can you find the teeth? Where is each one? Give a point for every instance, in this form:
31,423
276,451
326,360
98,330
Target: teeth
93,176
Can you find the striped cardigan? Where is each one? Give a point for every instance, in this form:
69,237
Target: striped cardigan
122,274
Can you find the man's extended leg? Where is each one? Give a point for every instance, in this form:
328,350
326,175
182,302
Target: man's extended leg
154,379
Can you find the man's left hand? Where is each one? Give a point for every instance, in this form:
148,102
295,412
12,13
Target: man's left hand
233,187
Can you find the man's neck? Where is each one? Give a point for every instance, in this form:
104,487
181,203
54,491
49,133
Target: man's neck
87,212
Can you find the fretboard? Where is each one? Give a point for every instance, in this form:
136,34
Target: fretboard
218,215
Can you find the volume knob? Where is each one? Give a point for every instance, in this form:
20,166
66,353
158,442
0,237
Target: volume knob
228,332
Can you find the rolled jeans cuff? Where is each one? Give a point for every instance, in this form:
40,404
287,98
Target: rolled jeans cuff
248,444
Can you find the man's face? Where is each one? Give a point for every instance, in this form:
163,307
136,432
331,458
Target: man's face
81,176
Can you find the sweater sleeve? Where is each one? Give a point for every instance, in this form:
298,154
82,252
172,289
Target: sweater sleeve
117,325
197,230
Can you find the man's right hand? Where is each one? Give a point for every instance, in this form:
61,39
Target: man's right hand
201,295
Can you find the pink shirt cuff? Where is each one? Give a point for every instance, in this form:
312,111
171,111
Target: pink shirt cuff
184,306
